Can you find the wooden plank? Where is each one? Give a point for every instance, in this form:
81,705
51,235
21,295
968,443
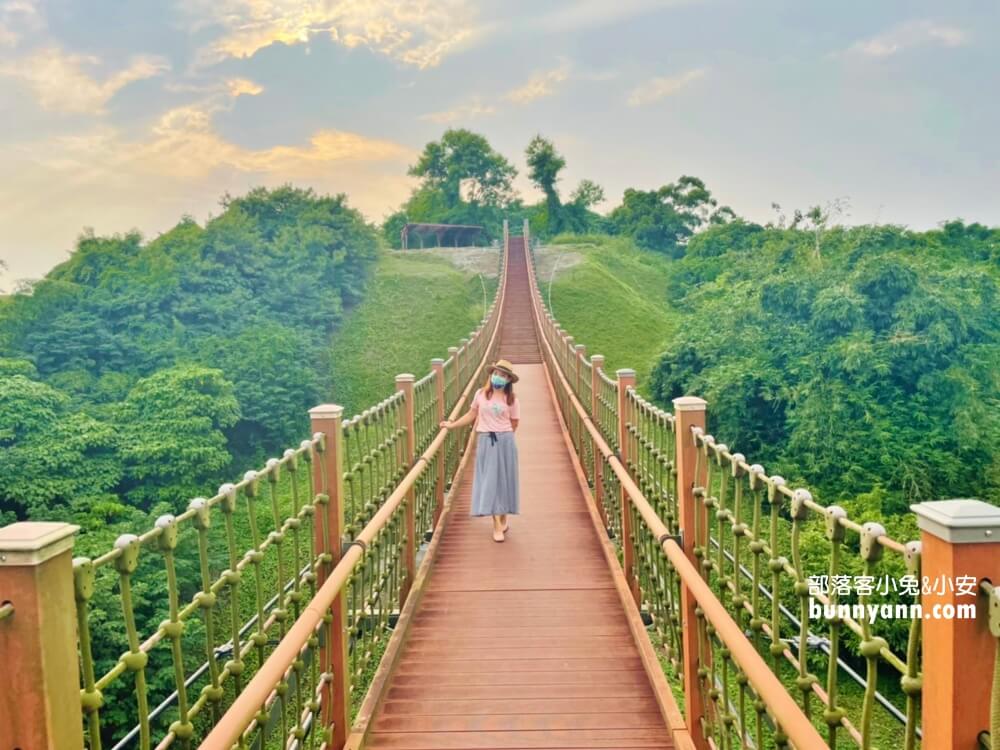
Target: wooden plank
510,740
520,706
495,721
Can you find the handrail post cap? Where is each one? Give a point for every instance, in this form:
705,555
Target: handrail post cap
690,403
626,372
436,362
327,411
963,521
34,542
405,377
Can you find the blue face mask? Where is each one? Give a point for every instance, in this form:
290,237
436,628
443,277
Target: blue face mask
498,380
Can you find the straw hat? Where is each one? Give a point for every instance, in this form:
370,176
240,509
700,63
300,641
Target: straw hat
507,368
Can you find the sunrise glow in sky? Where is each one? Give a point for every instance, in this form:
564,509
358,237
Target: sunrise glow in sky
130,114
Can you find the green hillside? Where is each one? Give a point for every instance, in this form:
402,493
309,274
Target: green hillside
612,297
418,304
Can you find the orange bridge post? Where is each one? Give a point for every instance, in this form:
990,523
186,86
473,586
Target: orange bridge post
404,383
690,412
328,480
437,366
960,546
626,380
597,362
40,697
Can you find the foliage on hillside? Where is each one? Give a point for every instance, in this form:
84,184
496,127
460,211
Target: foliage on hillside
407,290
139,370
850,358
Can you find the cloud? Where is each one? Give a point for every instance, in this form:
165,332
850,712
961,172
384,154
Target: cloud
657,88
17,18
416,32
540,85
61,83
241,86
581,14
103,179
908,35
185,145
462,112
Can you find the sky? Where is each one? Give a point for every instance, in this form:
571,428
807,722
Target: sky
131,114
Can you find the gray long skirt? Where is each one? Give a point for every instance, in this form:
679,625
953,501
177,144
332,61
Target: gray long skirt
495,486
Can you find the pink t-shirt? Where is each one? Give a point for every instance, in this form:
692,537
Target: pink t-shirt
495,414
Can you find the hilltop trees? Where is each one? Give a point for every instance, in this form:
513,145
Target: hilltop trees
544,166
665,218
553,216
463,181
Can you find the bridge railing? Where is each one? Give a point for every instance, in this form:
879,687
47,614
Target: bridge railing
278,591
743,531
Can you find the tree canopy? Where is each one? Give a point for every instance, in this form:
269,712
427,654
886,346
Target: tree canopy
145,368
664,219
873,364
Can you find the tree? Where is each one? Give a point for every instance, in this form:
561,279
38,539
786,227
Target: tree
465,159
53,462
172,440
578,215
544,165
664,219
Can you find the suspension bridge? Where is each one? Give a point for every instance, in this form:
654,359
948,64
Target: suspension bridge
653,593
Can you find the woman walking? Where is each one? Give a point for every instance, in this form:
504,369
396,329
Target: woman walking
496,411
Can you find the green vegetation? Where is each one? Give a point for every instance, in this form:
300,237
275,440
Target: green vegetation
552,216
857,360
610,295
664,219
138,375
142,371
409,291
465,181
864,362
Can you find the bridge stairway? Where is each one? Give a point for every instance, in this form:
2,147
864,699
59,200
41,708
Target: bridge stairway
518,340
521,644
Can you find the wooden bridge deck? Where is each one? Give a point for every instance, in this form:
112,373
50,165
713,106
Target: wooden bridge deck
521,644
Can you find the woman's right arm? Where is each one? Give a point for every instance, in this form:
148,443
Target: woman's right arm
468,418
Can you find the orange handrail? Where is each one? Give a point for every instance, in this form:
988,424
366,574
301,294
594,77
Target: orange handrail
772,692
257,692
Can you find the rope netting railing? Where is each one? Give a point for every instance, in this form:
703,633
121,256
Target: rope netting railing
754,542
222,597
755,558
374,460
237,566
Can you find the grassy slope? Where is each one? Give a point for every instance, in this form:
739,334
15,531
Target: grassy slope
613,299
417,306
